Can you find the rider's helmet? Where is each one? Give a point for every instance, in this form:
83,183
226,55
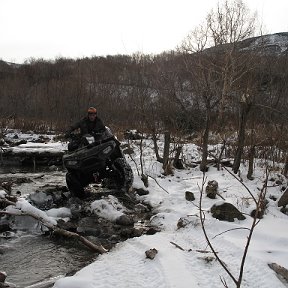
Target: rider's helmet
92,110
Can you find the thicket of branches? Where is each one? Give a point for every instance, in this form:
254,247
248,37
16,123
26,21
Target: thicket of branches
223,89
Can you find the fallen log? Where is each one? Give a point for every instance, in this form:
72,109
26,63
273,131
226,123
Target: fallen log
279,270
33,156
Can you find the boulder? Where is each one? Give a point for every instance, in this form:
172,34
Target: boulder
89,226
189,196
182,222
41,200
125,220
4,224
212,189
141,191
132,135
151,253
226,212
283,201
2,277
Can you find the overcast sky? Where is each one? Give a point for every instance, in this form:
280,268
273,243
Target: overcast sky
78,28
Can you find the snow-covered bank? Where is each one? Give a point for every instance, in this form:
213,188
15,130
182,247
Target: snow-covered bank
194,265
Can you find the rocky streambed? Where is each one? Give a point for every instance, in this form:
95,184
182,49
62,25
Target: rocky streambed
31,255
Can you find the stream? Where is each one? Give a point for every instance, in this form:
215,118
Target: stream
28,257
31,258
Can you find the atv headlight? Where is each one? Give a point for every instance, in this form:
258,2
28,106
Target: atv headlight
72,162
107,150
90,139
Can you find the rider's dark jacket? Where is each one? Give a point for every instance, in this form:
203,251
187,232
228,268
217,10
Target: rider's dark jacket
87,127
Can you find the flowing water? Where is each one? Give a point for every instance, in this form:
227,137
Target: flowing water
30,259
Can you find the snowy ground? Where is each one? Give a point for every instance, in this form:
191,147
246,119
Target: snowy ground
127,266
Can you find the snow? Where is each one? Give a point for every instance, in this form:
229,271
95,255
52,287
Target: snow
62,212
53,147
23,206
109,208
2,193
127,266
193,265
272,40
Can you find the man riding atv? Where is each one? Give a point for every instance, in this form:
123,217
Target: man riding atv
88,125
95,155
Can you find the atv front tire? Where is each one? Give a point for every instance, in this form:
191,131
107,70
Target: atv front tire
76,183
124,174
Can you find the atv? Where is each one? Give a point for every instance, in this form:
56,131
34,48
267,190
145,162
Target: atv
96,158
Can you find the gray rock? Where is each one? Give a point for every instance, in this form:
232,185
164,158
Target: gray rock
125,220
2,277
140,208
283,201
141,192
41,199
182,222
128,151
151,253
226,212
4,224
89,226
212,189
189,196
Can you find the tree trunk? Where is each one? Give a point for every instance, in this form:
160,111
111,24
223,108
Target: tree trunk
203,164
156,149
220,155
286,167
245,108
167,140
251,162
177,163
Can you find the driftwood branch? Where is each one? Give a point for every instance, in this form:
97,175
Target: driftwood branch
177,246
282,271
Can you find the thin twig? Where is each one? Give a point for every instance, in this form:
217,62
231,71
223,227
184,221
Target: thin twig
158,184
176,245
241,184
255,222
239,228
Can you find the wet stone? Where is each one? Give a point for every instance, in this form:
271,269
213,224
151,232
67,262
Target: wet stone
89,226
2,277
4,225
151,253
226,212
189,196
141,192
125,220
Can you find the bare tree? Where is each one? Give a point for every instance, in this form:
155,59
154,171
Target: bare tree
223,68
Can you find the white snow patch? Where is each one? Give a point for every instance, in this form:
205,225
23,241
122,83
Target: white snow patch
109,208
2,194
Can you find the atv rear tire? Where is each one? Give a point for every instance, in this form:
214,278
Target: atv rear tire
124,178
